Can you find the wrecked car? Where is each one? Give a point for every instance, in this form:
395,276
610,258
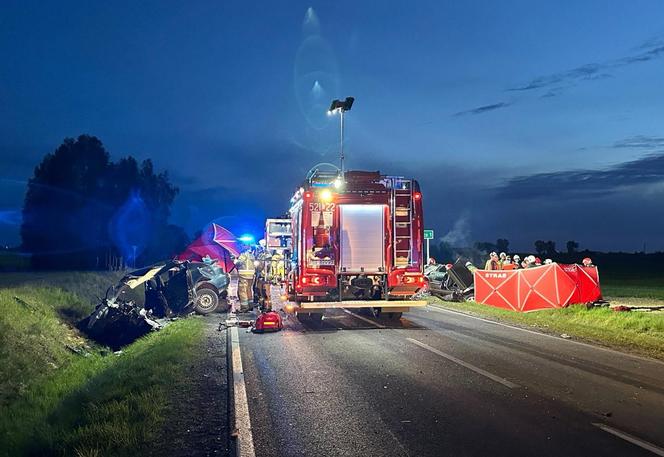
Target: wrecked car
451,282
143,299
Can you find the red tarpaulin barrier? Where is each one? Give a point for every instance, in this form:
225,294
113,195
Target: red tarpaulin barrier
587,283
548,286
216,242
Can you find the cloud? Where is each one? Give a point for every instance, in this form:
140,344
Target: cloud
653,42
650,50
582,184
484,109
555,84
640,141
587,71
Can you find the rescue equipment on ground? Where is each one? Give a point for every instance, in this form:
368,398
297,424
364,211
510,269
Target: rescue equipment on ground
269,321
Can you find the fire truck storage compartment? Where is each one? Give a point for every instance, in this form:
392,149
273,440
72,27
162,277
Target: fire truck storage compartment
362,238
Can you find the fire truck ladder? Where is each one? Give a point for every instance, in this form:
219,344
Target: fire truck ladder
402,218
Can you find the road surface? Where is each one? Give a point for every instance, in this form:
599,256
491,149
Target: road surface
440,383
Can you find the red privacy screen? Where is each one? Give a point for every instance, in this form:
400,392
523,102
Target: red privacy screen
548,286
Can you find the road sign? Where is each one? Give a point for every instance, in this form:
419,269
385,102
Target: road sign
428,234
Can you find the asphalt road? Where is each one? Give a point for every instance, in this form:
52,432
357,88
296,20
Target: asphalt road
439,383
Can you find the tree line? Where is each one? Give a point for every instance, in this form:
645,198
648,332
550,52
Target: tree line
542,248
444,251
84,211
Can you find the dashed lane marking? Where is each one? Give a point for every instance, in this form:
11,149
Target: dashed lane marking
477,370
632,439
242,420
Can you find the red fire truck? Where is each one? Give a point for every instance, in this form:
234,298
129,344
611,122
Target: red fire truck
357,243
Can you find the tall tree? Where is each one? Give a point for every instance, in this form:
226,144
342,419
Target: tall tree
540,247
550,248
79,205
62,216
572,247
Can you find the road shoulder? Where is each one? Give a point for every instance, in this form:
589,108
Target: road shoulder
199,409
641,335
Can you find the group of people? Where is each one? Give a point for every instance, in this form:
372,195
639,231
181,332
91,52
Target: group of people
507,262
258,269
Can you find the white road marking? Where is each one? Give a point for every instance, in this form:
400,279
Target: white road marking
369,321
632,439
613,351
242,420
477,370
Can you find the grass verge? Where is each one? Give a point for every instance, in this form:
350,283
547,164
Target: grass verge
637,332
59,402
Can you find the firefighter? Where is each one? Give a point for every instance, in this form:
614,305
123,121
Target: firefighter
262,277
493,262
587,262
431,266
277,268
246,272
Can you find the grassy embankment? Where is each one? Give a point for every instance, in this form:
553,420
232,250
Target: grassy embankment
56,401
638,332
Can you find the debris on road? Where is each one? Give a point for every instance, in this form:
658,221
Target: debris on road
566,336
233,321
628,308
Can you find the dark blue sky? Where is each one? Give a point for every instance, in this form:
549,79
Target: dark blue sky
521,120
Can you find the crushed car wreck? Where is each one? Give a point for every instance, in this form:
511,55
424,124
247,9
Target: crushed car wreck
145,299
452,282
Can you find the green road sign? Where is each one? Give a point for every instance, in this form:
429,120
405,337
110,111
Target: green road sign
428,234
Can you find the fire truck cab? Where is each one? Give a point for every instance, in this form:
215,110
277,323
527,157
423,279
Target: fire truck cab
356,243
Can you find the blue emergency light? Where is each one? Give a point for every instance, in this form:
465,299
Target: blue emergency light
247,239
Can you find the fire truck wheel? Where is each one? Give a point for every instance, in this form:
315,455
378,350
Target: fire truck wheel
207,300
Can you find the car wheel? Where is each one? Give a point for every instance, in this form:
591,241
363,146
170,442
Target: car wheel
207,301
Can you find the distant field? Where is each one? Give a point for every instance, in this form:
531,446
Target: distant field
652,287
13,261
88,286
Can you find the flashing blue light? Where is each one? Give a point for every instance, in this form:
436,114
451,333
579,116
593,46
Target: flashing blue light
247,239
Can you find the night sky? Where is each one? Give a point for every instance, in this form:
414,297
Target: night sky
521,121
